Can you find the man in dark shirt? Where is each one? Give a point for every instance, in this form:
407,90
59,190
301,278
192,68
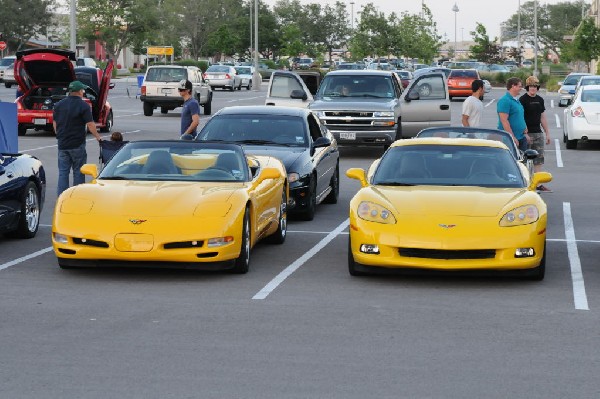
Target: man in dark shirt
190,115
71,117
535,118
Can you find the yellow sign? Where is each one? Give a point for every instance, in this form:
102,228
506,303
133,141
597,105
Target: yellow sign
160,51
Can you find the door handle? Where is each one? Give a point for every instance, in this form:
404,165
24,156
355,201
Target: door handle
444,107
270,104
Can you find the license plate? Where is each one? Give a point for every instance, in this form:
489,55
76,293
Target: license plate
462,83
348,136
166,91
39,121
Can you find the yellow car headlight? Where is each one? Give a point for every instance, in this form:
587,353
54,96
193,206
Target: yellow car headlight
375,213
522,215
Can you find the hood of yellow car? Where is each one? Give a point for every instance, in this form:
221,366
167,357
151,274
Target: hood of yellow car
451,201
147,198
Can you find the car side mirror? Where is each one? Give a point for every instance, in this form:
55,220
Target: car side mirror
321,142
531,154
539,178
90,169
569,102
2,170
358,174
560,83
412,95
298,95
111,86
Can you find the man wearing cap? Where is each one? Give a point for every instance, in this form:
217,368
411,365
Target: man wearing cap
190,115
511,115
71,117
537,125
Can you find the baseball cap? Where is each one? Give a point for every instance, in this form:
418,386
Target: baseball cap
76,86
184,85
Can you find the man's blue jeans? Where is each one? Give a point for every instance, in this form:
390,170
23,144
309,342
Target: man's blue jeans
523,144
67,160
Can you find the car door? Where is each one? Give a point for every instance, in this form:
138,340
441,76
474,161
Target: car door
105,85
425,103
10,183
323,159
287,89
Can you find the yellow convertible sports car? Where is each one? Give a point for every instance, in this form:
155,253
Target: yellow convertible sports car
174,204
448,204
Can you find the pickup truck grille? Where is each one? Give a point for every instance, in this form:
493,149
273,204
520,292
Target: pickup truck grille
346,114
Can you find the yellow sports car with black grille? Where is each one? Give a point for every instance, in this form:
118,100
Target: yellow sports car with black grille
448,204
174,204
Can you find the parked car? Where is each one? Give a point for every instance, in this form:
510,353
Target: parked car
587,80
305,63
447,204
6,63
159,89
182,204
9,77
374,111
265,71
223,77
580,120
459,82
86,62
567,87
293,135
350,65
22,194
245,73
43,76
405,77
445,71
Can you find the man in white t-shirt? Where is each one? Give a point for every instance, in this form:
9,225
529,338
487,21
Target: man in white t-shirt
473,106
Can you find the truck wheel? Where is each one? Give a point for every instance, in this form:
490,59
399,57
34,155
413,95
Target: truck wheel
109,123
249,85
148,109
164,110
207,107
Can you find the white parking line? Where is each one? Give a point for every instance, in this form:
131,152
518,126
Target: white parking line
579,294
559,161
552,103
244,99
24,258
267,289
491,101
557,120
92,139
124,116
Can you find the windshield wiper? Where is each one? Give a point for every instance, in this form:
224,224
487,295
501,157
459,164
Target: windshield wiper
257,142
113,178
370,95
394,183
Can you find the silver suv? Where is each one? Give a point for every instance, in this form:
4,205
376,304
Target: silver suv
5,63
160,88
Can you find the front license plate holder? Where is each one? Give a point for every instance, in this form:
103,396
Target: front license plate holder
39,121
348,136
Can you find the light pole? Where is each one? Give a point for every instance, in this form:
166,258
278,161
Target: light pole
250,8
352,15
73,25
519,32
535,39
256,77
455,9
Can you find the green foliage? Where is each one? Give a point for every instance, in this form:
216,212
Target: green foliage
203,65
484,50
22,20
291,45
587,41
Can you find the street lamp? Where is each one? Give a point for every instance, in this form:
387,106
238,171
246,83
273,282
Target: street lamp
256,77
535,39
455,9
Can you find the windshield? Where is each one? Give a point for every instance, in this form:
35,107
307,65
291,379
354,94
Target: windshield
447,165
218,68
7,61
457,73
243,70
572,80
177,161
472,133
166,74
256,129
375,86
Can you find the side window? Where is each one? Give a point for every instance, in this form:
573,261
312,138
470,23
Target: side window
313,126
397,85
282,86
430,88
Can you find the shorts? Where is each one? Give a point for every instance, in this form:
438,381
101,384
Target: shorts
538,141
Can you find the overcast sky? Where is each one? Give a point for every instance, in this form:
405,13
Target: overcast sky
491,13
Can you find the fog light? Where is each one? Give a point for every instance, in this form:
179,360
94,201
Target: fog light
369,249
524,253
60,238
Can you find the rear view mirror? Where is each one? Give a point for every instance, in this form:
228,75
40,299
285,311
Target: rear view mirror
412,95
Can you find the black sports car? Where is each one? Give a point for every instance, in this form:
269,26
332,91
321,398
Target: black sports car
22,193
295,136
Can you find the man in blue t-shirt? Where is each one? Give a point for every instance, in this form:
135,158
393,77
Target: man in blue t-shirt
190,115
511,115
71,116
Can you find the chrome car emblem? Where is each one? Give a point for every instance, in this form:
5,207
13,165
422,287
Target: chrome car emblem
137,221
447,226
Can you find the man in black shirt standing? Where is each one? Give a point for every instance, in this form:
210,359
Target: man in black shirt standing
537,125
71,117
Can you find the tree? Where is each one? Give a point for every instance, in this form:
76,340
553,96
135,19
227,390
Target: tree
484,50
586,44
555,21
334,26
21,20
291,45
118,24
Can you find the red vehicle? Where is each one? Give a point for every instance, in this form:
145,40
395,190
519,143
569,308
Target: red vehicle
43,76
459,82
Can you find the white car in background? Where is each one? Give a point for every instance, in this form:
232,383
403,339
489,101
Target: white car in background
9,77
582,117
245,72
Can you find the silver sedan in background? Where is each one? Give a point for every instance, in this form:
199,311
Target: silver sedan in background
223,76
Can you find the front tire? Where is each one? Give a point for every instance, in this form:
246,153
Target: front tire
148,109
164,110
241,265
311,207
352,265
539,272
22,130
29,220
249,85
7,85
208,106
